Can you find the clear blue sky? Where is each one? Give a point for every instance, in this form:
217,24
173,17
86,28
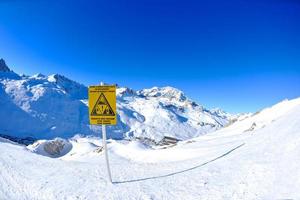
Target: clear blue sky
237,55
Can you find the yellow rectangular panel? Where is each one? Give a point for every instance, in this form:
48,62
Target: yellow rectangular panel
103,105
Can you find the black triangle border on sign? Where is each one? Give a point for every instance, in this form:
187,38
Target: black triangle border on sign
93,113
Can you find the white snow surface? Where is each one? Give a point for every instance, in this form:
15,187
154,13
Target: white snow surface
241,161
45,107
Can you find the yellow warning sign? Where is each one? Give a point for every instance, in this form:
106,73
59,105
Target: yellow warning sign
102,105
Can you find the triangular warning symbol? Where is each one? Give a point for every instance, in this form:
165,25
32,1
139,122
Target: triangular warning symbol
102,107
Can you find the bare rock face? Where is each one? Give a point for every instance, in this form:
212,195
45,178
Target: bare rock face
57,147
3,66
253,126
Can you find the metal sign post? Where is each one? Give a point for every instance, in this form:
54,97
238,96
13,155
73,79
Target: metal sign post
103,111
105,148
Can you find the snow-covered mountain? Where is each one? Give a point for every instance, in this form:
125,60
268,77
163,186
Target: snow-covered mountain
45,107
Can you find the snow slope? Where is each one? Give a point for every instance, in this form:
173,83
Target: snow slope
241,161
45,107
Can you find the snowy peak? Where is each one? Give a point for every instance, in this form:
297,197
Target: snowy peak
164,92
76,90
5,72
37,76
60,79
125,91
57,78
3,66
219,112
169,95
